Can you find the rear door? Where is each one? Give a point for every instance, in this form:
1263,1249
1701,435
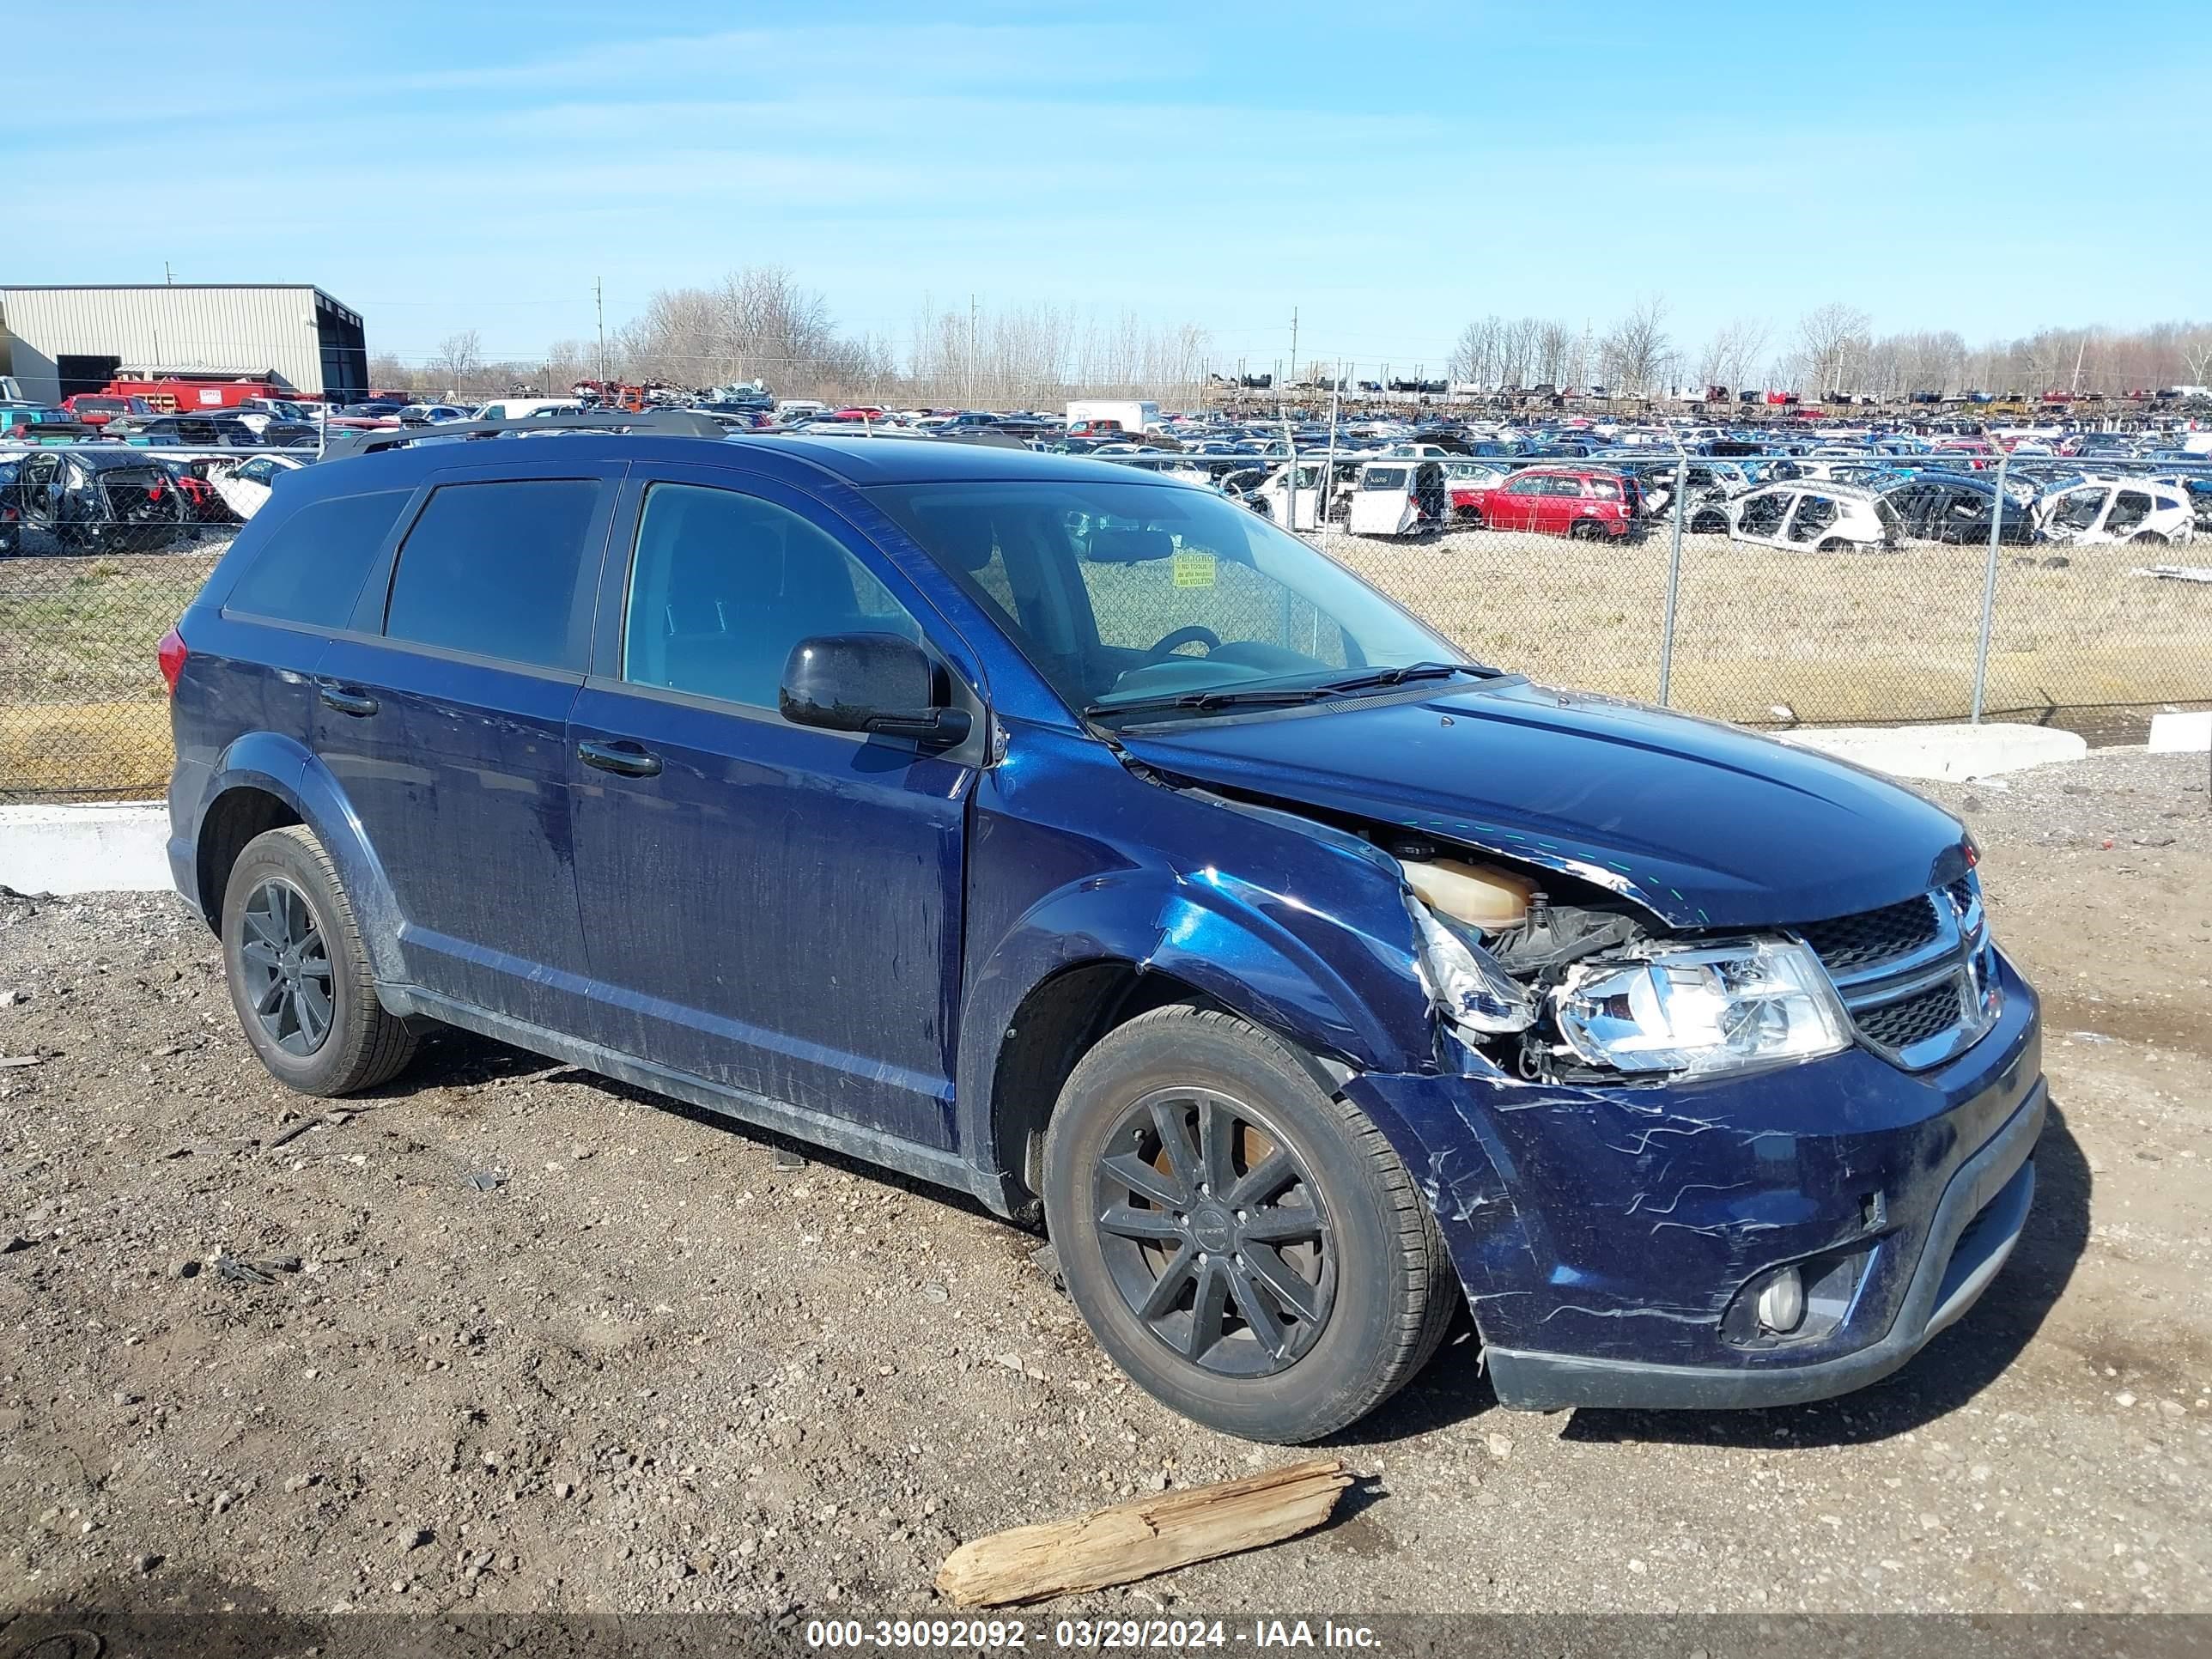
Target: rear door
771,907
1513,507
443,715
1559,505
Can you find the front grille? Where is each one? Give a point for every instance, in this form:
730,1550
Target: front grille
1918,977
1873,936
1912,1019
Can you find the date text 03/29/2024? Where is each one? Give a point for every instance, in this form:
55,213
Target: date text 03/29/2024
1085,1635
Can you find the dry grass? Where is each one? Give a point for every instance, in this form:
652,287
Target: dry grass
81,711
1834,637
115,750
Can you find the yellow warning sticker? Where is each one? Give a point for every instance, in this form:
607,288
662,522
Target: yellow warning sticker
1193,570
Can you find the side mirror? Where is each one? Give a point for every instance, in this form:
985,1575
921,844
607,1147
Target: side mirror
881,684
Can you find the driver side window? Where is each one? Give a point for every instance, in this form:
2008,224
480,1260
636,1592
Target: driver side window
723,585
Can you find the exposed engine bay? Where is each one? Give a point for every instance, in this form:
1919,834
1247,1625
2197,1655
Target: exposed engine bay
1535,939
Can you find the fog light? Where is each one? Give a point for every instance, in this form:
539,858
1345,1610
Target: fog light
1782,1301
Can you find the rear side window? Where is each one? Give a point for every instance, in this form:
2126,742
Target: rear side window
311,568
491,569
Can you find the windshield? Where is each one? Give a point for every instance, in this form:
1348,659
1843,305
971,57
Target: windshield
1118,592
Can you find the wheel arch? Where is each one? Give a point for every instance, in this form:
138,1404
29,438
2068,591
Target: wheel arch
1068,975
263,782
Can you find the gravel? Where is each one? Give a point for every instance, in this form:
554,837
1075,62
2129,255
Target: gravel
513,1338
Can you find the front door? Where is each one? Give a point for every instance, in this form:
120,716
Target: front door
774,908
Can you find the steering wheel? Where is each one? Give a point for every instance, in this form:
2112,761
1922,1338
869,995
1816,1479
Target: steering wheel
1194,634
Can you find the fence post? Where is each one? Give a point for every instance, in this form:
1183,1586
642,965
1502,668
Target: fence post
1328,470
1990,588
1674,583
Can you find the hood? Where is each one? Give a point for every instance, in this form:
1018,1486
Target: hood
1703,824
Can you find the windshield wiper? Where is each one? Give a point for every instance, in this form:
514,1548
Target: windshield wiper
1253,697
1412,671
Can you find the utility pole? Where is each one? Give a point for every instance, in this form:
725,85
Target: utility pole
971,351
599,304
168,275
1294,350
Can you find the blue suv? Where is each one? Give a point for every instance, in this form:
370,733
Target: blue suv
1084,842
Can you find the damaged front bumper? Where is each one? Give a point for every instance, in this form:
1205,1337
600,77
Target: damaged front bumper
1612,1242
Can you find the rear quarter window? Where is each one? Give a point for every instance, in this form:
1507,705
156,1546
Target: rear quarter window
492,569
311,569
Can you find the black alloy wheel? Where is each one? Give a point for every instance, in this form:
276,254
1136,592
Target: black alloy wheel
1215,1232
286,967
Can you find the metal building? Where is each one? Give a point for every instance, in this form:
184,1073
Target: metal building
59,341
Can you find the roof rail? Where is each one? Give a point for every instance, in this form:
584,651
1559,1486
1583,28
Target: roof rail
657,423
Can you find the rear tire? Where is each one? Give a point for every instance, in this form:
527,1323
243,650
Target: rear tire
298,974
1366,1292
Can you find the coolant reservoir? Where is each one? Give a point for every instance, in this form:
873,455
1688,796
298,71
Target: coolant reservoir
1480,896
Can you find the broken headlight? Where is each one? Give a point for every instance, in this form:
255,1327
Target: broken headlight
1715,1008
1467,988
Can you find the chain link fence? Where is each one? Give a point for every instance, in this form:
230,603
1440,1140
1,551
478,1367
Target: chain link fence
1772,600
1750,590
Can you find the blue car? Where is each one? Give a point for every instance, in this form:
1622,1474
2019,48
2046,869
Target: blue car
1084,843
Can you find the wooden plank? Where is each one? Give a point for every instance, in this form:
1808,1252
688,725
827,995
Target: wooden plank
1154,1534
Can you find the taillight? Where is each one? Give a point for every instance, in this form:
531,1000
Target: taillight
172,656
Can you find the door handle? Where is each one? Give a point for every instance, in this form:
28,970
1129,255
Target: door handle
346,699
619,756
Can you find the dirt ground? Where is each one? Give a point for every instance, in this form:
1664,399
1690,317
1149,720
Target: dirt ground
530,1340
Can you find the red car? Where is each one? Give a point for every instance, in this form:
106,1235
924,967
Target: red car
1588,503
97,408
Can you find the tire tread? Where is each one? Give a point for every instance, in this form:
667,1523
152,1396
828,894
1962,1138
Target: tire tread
377,1045
1424,1313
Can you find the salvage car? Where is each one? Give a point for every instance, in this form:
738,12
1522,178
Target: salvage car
1709,485
1955,507
1828,518
2106,510
244,486
1396,498
11,515
98,499
1587,503
1097,850
2197,487
225,428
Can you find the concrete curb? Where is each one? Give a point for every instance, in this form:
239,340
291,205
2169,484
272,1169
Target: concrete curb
1943,753
118,847
2181,734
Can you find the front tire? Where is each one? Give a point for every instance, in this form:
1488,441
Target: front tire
298,974
1247,1248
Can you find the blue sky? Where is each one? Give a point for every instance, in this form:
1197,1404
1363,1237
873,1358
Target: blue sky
1391,172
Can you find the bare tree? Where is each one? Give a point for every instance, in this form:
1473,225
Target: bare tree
387,372
1555,354
1830,341
1636,351
1731,355
2194,351
458,362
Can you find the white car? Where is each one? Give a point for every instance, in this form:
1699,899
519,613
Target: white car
528,409
2108,510
244,487
1397,498
1807,514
